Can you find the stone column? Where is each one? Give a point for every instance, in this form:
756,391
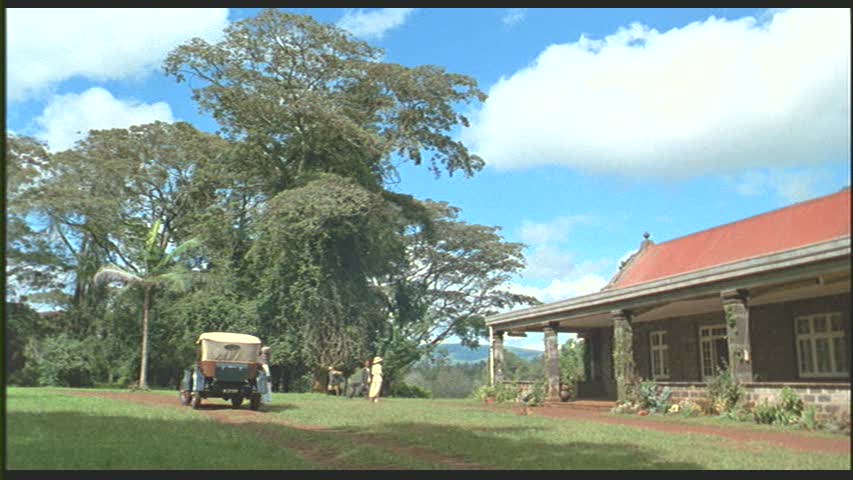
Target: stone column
552,363
623,351
498,355
736,307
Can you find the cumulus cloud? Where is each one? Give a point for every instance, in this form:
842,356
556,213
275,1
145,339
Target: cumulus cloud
563,288
554,231
374,24
713,96
47,46
513,16
68,118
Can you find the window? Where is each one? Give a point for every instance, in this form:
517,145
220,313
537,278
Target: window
714,349
660,355
821,346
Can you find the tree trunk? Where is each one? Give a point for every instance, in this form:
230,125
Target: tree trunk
321,380
143,383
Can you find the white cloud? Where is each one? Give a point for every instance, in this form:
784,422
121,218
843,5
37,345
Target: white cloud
554,231
67,118
513,16
374,24
563,288
548,262
791,185
47,46
712,96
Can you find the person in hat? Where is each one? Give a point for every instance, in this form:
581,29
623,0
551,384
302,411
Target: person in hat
264,360
375,379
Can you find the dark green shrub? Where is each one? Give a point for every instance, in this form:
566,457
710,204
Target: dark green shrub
790,407
649,396
764,413
809,418
725,391
405,390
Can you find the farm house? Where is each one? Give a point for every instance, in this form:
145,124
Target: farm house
768,295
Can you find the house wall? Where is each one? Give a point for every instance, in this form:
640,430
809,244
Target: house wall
774,348
682,342
772,338
774,354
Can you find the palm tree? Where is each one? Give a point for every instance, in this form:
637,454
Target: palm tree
159,268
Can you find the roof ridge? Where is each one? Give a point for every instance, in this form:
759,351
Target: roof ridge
802,202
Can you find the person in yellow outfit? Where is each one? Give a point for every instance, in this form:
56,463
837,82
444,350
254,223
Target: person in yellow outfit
375,380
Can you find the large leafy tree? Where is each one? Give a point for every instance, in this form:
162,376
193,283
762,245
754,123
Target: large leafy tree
33,263
155,268
316,249
306,97
454,274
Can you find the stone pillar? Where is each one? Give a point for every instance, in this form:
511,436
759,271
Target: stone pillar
623,351
736,307
498,355
552,363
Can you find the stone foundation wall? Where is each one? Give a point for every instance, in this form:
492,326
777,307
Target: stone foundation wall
827,398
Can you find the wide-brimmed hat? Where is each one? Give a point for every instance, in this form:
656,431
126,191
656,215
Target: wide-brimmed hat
265,349
377,359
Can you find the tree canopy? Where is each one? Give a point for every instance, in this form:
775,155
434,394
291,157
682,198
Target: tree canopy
298,238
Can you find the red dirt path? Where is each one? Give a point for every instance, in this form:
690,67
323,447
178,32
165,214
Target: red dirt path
790,440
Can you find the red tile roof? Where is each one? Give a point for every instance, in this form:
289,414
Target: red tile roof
806,223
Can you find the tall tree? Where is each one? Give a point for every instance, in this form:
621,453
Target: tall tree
453,276
33,264
306,96
316,248
156,268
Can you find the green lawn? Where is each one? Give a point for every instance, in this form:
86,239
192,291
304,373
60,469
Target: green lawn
47,429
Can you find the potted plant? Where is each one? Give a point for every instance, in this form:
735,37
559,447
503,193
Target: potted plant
566,391
486,394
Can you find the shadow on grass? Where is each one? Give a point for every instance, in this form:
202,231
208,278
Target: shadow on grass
278,407
77,441
489,446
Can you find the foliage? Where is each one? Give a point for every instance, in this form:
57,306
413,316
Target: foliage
306,96
63,361
809,418
764,413
725,391
484,393
295,234
572,354
649,396
452,276
404,390
788,410
537,394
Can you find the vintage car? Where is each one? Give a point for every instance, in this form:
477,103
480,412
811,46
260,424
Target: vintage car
227,368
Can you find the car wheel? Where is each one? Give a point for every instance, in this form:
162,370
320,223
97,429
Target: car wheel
195,401
236,402
185,398
255,401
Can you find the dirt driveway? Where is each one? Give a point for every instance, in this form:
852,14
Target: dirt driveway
252,420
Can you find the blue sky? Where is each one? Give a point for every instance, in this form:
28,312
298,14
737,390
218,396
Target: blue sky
601,124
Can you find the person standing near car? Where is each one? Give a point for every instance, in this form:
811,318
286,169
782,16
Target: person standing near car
375,379
266,390
264,360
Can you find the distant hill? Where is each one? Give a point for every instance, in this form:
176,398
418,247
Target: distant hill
459,353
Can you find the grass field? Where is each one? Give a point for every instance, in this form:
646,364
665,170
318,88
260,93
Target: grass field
49,429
